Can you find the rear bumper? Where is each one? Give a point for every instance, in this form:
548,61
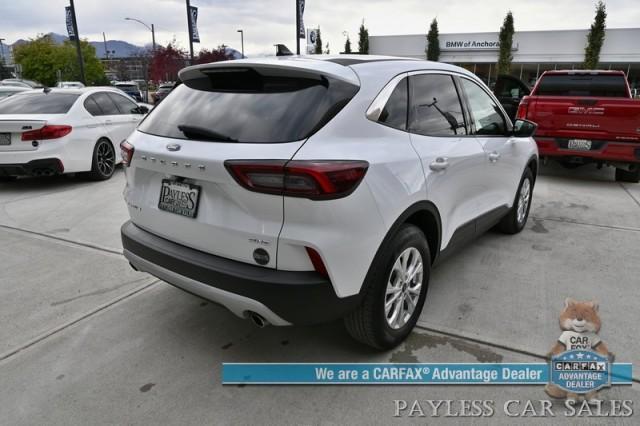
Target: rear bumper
622,152
41,167
282,297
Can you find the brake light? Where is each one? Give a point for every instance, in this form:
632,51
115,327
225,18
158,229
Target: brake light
313,179
523,108
317,262
126,152
47,132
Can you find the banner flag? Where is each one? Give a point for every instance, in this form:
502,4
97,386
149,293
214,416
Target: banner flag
301,31
70,30
193,15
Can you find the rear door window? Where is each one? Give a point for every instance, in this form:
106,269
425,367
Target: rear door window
597,85
125,106
435,108
245,106
38,103
92,106
105,103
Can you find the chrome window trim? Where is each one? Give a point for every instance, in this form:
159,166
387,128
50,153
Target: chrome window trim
378,104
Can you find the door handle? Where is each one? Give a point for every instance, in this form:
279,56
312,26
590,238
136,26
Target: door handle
439,164
107,122
494,156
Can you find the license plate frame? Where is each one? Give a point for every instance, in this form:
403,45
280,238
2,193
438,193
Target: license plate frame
579,144
5,139
168,202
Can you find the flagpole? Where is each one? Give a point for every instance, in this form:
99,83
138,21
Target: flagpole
297,27
78,50
190,31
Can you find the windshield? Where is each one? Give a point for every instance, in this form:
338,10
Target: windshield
250,109
38,103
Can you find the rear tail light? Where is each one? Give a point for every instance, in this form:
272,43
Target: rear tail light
523,109
317,262
126,152
313,179
47,132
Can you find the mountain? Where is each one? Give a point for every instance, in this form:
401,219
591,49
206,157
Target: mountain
116,48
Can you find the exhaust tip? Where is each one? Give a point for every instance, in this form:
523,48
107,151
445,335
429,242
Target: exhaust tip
258,320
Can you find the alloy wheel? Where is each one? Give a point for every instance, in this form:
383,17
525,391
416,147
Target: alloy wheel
523,200
403,288
105,158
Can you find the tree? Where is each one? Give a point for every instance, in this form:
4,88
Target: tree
166,62
433,43
41,58
363,40
327,50
214,55
595,38
506,43
318,49
347,46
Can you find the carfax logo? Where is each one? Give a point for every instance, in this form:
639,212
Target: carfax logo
580,372
580,359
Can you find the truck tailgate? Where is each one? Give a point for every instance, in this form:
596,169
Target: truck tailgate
612,119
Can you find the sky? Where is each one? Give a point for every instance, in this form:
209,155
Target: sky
266,22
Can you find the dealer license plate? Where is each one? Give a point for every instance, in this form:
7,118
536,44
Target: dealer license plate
579,144
5,138
179,198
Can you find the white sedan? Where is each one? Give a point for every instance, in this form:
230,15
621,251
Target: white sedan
47,132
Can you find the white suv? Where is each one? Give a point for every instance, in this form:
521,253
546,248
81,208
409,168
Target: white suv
299,190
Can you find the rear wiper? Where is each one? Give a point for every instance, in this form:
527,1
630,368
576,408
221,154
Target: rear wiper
195,132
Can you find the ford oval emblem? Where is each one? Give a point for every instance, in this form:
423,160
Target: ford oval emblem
173,147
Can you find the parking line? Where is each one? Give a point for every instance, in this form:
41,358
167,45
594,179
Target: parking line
66,240
630,194
557,219
464,336
76,320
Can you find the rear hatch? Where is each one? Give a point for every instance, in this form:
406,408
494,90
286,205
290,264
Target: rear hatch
28,112
587,106
178,186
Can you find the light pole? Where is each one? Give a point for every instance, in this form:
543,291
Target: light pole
150,28
241,41
146,59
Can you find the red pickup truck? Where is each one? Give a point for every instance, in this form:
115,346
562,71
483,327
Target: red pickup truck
586,117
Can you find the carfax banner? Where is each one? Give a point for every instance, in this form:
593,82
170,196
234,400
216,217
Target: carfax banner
576,375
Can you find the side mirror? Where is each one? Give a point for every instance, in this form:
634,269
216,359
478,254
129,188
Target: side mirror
524,128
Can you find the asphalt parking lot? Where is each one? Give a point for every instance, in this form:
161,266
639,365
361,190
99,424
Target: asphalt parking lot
85,339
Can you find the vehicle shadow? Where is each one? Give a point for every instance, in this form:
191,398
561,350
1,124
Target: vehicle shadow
587,172
47,184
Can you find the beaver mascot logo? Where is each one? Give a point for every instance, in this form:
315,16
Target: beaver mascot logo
580,324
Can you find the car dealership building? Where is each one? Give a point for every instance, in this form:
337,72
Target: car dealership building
533,51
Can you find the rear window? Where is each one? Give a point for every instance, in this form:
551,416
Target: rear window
126,87
248,107
38,103
601,85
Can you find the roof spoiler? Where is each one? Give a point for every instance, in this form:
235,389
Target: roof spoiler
285,66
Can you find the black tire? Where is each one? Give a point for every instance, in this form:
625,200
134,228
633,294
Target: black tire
103,163
514,222
369,324
628,176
